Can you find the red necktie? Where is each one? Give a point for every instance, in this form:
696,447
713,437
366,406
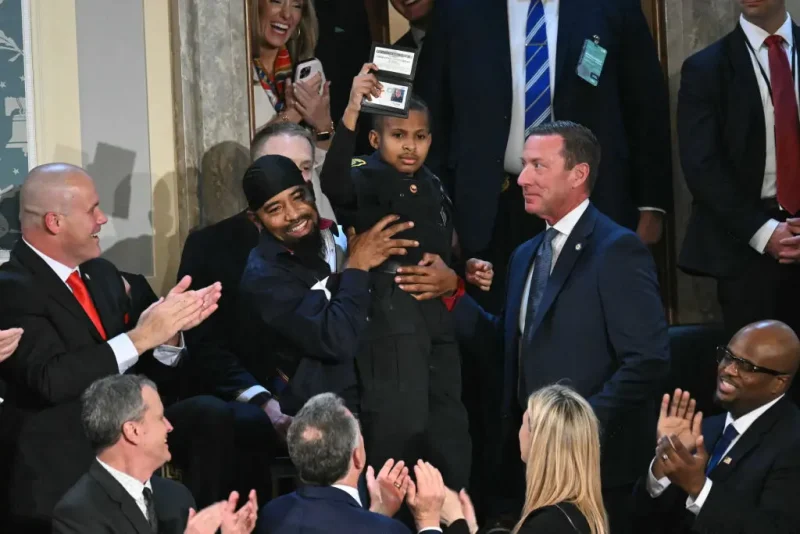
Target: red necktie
82,294
787,126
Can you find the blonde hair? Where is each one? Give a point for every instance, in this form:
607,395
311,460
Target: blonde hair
301,45
563,463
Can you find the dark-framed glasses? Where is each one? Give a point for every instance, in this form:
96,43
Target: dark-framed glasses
725,357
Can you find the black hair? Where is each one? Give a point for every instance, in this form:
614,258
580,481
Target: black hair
415,103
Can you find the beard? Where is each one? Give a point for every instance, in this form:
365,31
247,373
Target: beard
308,247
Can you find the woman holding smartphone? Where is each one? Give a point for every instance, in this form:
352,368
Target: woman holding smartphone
283,36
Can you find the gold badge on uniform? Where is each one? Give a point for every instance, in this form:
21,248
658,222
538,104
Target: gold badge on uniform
357,162
727,460
413,188
506,184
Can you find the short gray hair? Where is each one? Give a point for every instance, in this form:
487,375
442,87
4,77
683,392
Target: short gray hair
321,440
108,404
277,129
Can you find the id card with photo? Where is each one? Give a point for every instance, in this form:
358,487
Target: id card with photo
393,100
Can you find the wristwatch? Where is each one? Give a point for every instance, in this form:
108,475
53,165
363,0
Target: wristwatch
326,134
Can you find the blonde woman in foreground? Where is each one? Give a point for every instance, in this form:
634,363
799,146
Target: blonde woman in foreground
560,445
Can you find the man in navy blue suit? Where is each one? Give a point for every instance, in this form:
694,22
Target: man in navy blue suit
581,304
326,447
483,71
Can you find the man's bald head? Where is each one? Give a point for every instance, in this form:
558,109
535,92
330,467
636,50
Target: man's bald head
774,349
60,213
49,188
770,344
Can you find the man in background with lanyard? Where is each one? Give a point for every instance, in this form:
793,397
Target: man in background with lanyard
739,136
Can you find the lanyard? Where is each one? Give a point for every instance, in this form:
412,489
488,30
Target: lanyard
792,51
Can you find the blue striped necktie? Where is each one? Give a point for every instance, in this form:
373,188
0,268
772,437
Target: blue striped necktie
538,107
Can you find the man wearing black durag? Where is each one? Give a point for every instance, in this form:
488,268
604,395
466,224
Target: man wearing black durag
303,306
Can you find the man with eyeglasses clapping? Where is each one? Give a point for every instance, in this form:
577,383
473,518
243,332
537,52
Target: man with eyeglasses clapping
738,471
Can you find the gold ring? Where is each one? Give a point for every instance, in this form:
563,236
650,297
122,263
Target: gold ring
664,457
397,485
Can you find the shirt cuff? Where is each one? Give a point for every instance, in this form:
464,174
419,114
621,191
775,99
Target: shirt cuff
430,529
761,237
451,301
694,505
169,355
249,393
655,487
651,208
124,351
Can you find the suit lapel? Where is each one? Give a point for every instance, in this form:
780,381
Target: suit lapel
52,284
502,29
568,23
105,299
573,248
748,441
115,490
745,80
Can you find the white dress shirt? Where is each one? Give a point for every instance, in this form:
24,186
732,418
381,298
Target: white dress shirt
657,487
756,37
564,226
133,486
124,350
517,33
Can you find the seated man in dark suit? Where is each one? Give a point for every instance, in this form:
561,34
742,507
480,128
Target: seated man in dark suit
123,418
81,324
735,472
327,448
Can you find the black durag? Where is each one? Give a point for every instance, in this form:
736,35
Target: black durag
269,176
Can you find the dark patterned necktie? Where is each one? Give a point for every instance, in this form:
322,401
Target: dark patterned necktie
152,518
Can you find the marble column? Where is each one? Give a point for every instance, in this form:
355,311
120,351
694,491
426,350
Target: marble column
211,80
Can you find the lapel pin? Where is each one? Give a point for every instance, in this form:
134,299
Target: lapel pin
578,246
87,276
727,460
413,188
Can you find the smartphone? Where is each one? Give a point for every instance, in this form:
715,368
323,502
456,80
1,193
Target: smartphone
307,69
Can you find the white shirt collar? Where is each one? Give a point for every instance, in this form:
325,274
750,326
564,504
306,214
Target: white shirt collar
353,492
61,270
133,486
746,421
567,223
757,35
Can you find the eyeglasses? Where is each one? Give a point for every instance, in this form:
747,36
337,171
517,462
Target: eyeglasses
725,357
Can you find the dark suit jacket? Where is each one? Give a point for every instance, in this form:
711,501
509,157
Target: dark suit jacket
754,493
551,520
466,80
98,504
315,509
60,355
722,142
600,325
218,253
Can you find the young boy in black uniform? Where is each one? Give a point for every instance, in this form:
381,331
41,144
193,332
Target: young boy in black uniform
408,363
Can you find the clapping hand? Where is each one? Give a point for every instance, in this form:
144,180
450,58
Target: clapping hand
9,341
790,244
243,521
459,506
387,491
684,469
426,497
678,418
315,108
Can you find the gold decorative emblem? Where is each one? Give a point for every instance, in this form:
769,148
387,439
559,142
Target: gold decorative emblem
506,184
357,162
413,188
